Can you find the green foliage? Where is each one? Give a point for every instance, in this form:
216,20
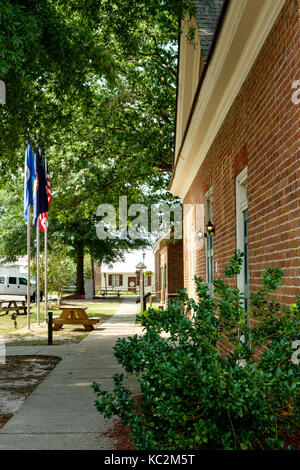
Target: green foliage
195,397
66,228
61,269
97,80
147,316
47,56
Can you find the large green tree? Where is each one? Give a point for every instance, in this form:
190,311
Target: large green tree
48,55
97,80
123,54
71,227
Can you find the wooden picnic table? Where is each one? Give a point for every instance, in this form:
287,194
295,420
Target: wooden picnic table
107,291
12,306
74,315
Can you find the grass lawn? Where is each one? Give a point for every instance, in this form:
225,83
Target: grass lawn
154,304
38,336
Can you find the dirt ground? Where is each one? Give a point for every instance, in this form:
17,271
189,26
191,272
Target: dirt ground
39,336
19,376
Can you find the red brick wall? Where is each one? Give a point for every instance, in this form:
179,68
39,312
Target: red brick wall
171,255
261,130
175,267
157,271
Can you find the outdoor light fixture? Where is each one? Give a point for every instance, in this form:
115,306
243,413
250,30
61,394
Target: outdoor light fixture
201,235
140,266
210,229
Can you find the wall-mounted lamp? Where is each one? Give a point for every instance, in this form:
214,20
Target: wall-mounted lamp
201,235
210,229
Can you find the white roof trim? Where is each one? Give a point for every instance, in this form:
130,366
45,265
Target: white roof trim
246,23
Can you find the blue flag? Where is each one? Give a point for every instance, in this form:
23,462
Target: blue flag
40,202
29,177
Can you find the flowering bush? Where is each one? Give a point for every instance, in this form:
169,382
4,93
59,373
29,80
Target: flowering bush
194,397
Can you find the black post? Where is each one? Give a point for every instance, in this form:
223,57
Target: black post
50,335
145,300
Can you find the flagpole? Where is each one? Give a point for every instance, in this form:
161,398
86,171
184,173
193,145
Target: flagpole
28,268
38,272
45,274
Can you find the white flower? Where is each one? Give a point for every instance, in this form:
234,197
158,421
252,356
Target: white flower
241,363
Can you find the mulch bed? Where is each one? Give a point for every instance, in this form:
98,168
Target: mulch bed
121,433
293,441
4,419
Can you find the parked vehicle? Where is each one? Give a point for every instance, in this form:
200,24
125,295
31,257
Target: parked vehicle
16,285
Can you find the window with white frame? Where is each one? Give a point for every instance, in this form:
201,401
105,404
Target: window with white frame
209,241
115,280
192,261
242,231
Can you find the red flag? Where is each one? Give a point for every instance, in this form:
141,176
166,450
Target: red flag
43,218
48,187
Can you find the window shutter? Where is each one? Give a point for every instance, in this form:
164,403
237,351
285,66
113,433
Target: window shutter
149,281
138,279
110,279
120,279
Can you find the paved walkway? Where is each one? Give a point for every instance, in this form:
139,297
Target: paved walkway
60,413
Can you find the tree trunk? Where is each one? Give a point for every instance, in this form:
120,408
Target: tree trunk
79,272
98,281
93,274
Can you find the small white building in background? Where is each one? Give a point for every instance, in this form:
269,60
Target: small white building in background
122,275
18,268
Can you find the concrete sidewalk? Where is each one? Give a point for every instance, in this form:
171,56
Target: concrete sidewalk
60,413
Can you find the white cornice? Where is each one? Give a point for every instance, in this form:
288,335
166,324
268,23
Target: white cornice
227,71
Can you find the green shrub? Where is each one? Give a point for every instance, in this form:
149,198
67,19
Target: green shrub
193,396
145,317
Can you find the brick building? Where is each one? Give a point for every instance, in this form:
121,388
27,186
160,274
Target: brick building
236,161
168,255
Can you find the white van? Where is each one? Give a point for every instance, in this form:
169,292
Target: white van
16,285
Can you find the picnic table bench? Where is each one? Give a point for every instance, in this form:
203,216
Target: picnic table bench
107,291
16,306
74,315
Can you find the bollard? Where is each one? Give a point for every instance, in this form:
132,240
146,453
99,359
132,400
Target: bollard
145,300
50,330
